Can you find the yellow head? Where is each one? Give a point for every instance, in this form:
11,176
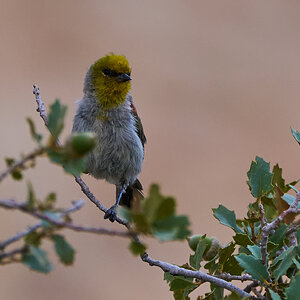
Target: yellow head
110,76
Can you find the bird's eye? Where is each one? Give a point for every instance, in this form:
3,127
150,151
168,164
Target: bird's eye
109,72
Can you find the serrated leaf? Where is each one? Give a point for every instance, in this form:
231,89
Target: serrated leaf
180,286
196,258
242,239
277,177
286,259
36,136
293,291
279,235
274,295
63,249
296,135
56,118
36,259
226,217
260,178
166,208
137,248
255,251
253,266
152,203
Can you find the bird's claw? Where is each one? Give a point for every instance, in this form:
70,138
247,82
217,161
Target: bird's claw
111,214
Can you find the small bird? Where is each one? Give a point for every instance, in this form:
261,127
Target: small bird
107,110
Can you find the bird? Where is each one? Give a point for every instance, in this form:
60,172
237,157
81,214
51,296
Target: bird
108,111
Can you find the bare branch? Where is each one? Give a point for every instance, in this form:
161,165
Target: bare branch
20,164
229,277
175,270
11,254
76,206
41,107
12,204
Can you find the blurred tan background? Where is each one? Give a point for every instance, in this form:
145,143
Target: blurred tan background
215,82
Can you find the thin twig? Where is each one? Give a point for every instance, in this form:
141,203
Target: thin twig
12,204
21,163
41,107
12,252
76,206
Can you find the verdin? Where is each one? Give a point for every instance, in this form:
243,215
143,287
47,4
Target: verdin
107,110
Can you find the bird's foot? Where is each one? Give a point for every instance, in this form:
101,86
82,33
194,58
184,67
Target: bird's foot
111,214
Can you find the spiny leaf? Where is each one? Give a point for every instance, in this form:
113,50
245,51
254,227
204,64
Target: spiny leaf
56,118
226,217
260,178
63,249
253,266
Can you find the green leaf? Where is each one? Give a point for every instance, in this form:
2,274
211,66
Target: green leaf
36,259
166,208
233,296
296,135
242,239
226,217
196,259
293,291
253,266
279,235
274,295
31,198
75,166
56,118
180,286
53,215
289,199
260,178
33,238
255,251
171,228
152,203
63,249
36,136
16,173
277,177
286,259
137,248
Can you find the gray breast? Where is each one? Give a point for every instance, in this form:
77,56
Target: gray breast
118,155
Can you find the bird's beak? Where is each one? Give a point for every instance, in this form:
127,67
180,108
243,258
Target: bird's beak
123,77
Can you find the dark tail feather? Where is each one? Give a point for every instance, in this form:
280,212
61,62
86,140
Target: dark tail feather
132,196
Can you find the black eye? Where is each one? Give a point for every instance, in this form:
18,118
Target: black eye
109,72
